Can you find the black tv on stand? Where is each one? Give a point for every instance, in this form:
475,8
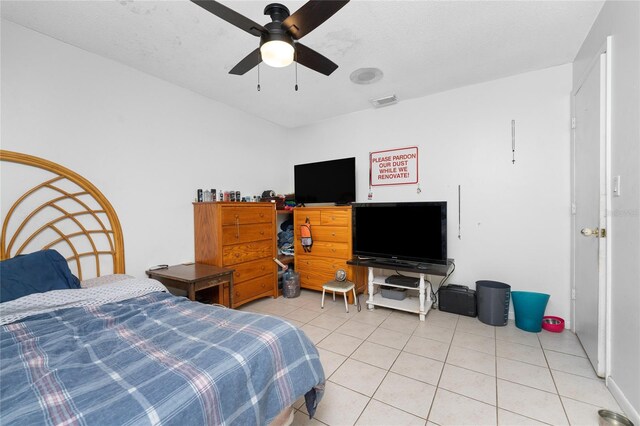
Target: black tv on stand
332,181
401,233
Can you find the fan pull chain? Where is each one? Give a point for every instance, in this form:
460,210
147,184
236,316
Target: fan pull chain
296,75
258,77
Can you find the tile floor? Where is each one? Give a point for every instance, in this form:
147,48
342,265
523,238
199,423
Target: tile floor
385,367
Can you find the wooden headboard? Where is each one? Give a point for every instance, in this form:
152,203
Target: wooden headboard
61,210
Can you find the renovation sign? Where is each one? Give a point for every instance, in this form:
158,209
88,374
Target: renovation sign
394,166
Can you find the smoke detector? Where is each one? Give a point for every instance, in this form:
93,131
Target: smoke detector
366,76
384,101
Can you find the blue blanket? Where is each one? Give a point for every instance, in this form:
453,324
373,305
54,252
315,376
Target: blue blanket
154,359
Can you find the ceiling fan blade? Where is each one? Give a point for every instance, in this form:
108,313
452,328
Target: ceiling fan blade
249,61
231,16
312,59
310,16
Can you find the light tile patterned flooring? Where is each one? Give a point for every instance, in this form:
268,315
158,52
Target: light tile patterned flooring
385,367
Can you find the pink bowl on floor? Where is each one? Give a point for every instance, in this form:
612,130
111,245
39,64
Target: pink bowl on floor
553,324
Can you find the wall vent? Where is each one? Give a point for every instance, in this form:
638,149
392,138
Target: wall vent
384,101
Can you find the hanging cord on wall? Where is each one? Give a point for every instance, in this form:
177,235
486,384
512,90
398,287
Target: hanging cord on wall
459,216
513,141
296,74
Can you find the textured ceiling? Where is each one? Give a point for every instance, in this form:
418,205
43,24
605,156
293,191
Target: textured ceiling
422,47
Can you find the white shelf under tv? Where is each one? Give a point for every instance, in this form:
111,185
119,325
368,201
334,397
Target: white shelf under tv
417,300
415,303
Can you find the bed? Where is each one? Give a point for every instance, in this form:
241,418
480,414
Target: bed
88,344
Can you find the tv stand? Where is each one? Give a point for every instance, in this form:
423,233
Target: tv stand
419,299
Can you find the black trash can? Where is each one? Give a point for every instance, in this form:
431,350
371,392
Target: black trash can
493,302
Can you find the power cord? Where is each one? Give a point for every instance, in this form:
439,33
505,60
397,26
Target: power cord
356,284
434,294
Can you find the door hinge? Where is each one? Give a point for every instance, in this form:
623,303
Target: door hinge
573,122
573,294
603,233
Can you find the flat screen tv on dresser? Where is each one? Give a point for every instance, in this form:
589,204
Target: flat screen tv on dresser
332,181
402,232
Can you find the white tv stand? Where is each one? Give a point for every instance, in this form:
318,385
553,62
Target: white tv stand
419,303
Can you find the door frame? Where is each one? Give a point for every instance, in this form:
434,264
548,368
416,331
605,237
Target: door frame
604,251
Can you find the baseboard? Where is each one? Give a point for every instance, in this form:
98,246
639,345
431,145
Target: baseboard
623,402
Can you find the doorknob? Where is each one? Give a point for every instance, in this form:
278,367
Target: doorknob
588,232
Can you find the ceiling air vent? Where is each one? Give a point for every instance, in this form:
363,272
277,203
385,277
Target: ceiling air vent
384,101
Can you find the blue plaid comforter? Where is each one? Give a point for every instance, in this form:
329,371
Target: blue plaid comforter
154,359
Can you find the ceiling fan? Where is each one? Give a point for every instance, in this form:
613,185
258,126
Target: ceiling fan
279,44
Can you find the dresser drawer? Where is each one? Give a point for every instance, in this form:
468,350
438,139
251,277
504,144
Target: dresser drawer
314,281
235,234
256,268
325,249
338,234
245,215
300,217
239,253
325,265
335,217
253,289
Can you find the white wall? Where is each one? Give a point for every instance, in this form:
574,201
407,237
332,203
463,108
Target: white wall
145,143
621,20
515,218
148,145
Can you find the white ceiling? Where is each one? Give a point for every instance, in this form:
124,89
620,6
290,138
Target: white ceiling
422,47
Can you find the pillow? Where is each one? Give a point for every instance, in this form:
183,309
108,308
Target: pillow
35,273
104,280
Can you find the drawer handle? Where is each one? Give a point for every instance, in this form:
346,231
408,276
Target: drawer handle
262,285
261,232
236,216
263,267
261,214
333,234
237,254
237,294
333,250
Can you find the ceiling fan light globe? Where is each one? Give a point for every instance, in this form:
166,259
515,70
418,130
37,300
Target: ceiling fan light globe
277,53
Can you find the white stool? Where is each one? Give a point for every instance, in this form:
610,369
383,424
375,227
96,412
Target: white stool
341,287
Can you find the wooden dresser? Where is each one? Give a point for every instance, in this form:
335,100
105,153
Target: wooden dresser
331,234
241,236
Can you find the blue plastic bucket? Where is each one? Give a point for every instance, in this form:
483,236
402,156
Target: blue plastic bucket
529,309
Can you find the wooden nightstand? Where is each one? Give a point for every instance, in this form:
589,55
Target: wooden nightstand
194,277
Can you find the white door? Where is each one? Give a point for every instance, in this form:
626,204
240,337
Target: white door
590,209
